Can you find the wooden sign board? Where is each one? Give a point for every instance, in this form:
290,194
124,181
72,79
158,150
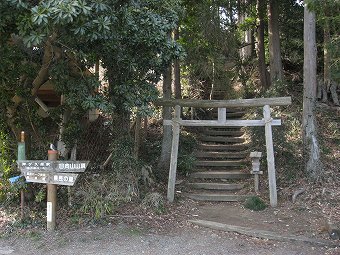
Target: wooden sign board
67,179
52,172
37,165
66,166
71,166
38,177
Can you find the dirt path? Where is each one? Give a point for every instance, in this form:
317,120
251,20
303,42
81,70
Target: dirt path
134,230
124,239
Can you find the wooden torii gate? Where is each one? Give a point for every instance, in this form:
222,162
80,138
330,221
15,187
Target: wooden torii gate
222,121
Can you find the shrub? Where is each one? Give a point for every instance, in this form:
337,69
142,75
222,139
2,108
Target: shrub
186,156
100,194
255,203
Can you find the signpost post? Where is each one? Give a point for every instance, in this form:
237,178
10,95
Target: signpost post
52,172
51,195
22,156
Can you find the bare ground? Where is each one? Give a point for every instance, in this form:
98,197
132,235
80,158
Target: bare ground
136,230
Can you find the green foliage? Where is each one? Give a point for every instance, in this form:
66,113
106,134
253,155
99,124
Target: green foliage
101,194
210,41
6,155
99,197
126,168
10,192
40,196
82,96
255,203
130,39
291,34
277,89
73,130
287,143
186,156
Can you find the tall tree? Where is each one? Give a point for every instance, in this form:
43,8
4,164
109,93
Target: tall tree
210,41
246,37
177,71
164,160
309,125
264,75
274,42
328,13
325,85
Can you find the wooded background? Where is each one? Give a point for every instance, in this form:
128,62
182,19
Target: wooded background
116,57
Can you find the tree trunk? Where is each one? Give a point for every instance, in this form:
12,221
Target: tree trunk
231,13
246,50
309,126
334,93
328,85
264,75
138,130
327,63
39,80
177,72
164,161
274,42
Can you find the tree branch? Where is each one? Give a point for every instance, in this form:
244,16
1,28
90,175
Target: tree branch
43,76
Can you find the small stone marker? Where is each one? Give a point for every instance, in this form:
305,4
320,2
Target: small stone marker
255,160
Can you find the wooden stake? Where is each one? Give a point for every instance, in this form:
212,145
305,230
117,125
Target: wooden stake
270,156
22,156
256,183
51,197
174,154
137,136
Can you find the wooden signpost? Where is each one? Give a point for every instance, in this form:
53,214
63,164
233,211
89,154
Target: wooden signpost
52,172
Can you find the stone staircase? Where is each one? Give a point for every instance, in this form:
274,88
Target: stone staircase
220,164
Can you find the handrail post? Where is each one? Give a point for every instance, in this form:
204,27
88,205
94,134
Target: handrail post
174,153
270,156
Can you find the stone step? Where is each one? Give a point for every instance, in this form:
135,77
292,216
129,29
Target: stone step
220,175
222,139
216,186
221,154
233,133
223,147
218,197
220,163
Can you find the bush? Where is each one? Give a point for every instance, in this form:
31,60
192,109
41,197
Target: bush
99,197
6,157
186,156
255,203
101,194
8,192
